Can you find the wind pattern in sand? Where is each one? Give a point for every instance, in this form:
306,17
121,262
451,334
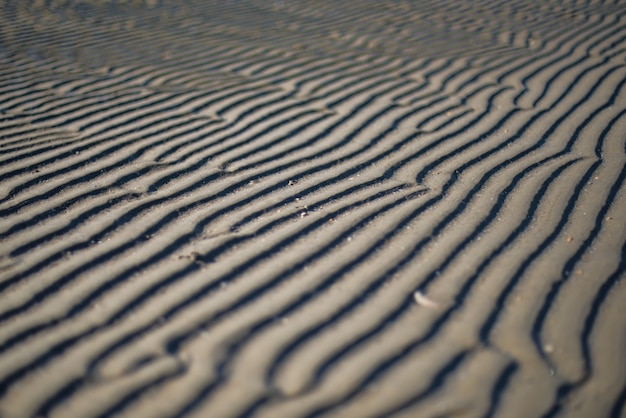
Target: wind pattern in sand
312,208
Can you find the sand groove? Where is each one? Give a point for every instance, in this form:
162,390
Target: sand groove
289,208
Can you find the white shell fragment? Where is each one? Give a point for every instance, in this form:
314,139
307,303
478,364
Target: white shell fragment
424,300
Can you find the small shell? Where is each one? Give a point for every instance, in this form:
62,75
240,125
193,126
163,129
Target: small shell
425,301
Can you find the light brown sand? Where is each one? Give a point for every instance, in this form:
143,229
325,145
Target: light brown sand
312,208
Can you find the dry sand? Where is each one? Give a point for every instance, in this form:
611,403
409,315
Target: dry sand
312,208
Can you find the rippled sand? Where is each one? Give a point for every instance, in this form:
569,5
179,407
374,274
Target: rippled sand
312,208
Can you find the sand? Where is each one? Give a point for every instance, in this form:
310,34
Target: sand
312,208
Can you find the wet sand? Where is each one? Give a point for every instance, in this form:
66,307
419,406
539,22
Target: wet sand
320,208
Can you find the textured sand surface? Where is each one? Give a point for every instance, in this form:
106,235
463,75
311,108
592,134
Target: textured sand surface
312,208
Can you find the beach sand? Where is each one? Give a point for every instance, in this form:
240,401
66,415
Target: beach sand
312,208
